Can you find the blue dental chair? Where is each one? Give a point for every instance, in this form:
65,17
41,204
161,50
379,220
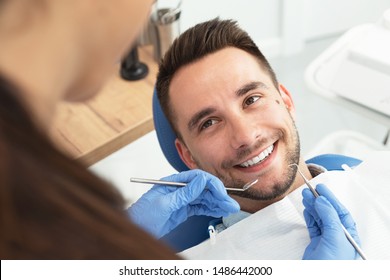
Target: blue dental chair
195,229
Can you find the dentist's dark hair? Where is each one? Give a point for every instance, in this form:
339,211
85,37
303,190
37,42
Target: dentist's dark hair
52,207
194,44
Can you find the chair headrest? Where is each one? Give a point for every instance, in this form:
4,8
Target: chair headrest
166,137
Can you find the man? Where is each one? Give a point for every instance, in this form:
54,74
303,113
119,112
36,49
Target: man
234,120
231,116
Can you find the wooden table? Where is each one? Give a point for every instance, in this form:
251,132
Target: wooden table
121,113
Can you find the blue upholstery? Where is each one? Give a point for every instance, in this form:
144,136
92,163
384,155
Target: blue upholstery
334,161
166,136
195,229
190,233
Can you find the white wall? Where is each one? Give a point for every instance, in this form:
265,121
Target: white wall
283,26
260,18
328,17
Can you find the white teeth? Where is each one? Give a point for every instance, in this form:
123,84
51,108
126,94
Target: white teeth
263,155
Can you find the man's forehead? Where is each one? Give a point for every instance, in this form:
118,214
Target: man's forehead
228,61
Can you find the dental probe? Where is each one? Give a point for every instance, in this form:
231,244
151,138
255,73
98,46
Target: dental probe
347,234
178,184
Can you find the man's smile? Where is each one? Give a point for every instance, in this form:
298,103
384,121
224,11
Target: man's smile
259,158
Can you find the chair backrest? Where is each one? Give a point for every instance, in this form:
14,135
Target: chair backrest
334,161
166,136
195,229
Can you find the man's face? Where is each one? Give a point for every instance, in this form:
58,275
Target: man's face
235,124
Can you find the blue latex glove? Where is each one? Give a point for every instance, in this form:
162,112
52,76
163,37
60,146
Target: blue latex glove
163,208
323,217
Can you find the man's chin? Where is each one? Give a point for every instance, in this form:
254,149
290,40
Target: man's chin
260,194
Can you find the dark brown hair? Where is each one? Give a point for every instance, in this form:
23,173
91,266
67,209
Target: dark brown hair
52,207
197,42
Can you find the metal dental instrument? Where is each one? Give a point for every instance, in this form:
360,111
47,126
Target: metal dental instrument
178,184
347,234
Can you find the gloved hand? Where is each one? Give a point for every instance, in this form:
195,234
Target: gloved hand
323,217
163,208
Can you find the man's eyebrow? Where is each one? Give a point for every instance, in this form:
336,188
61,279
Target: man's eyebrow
250,86
198,116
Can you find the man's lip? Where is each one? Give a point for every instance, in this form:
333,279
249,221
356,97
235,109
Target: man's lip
261,166
256,154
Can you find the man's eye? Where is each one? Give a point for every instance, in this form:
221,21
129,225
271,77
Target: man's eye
250,100
207,124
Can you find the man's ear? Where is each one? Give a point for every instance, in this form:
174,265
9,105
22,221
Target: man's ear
287,99
185,154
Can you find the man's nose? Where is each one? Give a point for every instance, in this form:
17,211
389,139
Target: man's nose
243,132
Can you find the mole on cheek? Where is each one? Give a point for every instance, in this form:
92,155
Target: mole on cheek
277,101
